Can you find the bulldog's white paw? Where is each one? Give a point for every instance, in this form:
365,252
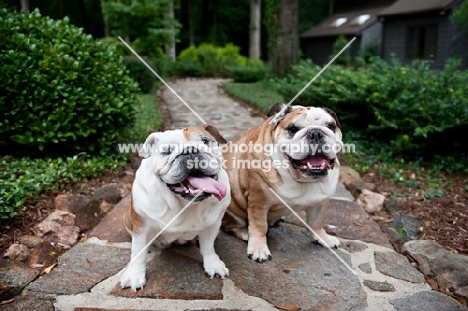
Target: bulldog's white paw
329,239
133,277
214,266
258,251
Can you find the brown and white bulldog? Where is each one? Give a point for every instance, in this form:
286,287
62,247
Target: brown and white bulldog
175,170
303,144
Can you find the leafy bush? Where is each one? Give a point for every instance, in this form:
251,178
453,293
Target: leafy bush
62,91
413,108
140,73
259,94
213,59
345,56
252,71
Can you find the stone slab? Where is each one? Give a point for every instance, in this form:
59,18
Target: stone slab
81,268
427,301
302,275
28,303
172,275
111,227
379,286
397,266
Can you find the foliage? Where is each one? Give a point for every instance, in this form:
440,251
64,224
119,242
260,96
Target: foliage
147,118
140,73
213,59
62,91
345,56
252,71
460,16
259,94
144,22
415,109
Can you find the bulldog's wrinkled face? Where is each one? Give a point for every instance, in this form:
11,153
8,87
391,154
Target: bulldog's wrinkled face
309,137
187,161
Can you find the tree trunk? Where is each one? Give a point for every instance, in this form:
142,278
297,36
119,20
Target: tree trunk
285,51
25,5
254,44
84,15
190,21
170,47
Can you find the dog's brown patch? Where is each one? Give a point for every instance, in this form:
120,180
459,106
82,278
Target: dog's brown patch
207,129
132,221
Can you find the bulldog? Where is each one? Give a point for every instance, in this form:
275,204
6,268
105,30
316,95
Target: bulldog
303,144
174,171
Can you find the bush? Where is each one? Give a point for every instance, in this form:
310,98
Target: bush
251,72
345,57
213,59
140,73
62,91
415,109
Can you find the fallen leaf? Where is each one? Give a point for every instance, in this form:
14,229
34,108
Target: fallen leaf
90,264
48,269
84,237
7,301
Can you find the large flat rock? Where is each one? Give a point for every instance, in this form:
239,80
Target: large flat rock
427,301
302,275
81,268
397,266
111,227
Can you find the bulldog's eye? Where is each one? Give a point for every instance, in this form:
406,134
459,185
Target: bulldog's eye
332,127
292,130
206,141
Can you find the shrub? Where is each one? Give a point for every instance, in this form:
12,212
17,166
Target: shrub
345,57
62,91
140,73
251,72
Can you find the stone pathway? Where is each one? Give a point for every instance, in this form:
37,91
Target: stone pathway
302,275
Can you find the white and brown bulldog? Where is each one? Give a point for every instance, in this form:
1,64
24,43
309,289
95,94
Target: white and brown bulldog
175,170
304,142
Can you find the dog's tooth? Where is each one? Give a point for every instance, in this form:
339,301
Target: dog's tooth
309,165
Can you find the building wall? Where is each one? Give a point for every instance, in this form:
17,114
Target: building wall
319,49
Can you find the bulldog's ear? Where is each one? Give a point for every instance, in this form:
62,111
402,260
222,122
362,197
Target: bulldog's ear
334,116
215,133
279,110
150,145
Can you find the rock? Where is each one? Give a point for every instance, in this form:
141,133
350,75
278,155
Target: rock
30,240
448,269
43,255
372,202
379,286
14,276
110,194
370,186
58,228
124,187
427,301
397,266
348,175
356,187
354,247
404,227
365,267
111,227
393,206
17,252
86,209
81,268
27,303
342,193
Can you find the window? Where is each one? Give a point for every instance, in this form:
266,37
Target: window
338,22
421,42
360,20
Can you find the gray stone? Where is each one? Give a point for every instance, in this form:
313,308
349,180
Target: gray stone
354,247
427,301
301,272
404,227
393,206
111,227
30,240
86,209
28,303
14,276
379,286
365,267
449,270
110,194
81,268
356,187
397,266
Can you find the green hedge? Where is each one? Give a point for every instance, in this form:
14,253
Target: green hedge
62,91
411,107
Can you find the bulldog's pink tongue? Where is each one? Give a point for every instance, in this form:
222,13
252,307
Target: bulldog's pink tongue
209,185
317,160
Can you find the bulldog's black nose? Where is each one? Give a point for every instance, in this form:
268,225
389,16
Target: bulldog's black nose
314,136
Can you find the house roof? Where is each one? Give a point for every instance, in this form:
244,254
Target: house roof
324,29
415,6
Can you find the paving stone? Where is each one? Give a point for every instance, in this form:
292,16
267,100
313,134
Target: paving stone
81,268
354,247
397,266
448,269
28,303
379,286
427,301
171,275
111,227
14,276
100,309
365,267
301,274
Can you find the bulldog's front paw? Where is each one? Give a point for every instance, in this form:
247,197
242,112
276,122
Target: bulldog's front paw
329,239
134,278
258,251
214,266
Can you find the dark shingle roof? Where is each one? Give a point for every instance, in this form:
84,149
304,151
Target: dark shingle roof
415,6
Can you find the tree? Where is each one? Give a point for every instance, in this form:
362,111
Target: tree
25,5
460,16
170,46
254,44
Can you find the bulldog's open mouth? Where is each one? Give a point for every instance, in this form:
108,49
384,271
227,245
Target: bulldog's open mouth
314,165
199,184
